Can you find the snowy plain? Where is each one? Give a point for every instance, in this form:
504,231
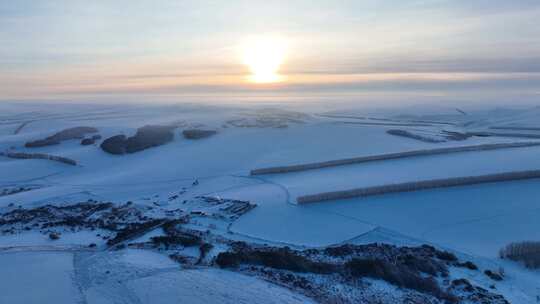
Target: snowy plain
474,220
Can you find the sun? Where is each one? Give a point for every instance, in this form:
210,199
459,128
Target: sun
264,56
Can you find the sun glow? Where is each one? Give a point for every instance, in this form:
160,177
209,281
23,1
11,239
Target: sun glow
264,56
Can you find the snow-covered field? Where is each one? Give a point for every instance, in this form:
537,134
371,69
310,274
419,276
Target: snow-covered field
475,220
35,277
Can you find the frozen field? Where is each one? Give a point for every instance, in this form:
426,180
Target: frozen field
475,220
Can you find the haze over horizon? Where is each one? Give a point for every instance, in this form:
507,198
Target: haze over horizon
103,50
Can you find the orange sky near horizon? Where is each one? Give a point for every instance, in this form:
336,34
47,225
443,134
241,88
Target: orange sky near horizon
71,49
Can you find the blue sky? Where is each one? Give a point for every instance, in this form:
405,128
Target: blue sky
54,49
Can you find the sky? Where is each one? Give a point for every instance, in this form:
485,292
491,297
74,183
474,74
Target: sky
71,49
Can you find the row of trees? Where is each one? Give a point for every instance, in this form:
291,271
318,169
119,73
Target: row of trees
418,185
22,155
526,252
364,159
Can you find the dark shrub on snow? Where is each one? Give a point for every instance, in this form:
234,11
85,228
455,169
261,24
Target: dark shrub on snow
228,260
280,258
115,144
185,240
464,283
395,274
67,134
421,264
87,141
149,136
134,230
146,137
407,267
197,133
204,248
470,265
41,143
446,256
54,236
493,275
